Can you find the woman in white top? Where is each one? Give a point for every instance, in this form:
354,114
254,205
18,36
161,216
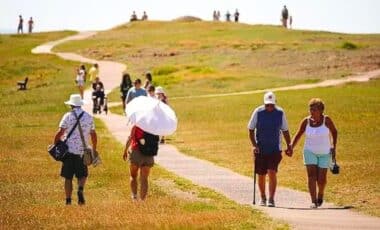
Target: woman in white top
81,79
318,149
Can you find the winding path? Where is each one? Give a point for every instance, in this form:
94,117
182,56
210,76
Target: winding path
292,205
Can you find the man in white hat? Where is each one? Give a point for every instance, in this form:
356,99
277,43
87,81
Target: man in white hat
265,127
73,164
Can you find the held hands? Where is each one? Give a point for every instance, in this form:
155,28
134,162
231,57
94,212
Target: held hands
289,151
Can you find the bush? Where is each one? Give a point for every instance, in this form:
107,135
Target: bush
349,46
164,70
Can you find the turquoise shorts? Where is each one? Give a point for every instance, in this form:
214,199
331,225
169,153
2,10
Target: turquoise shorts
321,160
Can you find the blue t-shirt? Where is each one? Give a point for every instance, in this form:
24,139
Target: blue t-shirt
268,127
133,93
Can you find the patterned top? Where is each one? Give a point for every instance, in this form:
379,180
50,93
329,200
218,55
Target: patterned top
87,123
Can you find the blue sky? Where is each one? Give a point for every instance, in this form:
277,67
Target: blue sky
351,16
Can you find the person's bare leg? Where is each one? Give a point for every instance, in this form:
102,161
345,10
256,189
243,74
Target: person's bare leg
133,169
261,184
312,181
144,174
272,174
68,188
321,181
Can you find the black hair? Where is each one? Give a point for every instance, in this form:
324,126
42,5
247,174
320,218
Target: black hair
148,76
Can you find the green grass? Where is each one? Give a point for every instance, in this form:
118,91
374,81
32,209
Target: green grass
205,57
31,190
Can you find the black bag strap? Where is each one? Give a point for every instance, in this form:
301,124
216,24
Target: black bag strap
72,130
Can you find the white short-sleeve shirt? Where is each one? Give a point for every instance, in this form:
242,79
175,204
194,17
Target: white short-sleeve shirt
87,123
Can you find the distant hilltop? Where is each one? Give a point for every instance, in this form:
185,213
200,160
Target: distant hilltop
187,19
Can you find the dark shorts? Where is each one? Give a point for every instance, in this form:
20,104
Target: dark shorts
73,165
265,162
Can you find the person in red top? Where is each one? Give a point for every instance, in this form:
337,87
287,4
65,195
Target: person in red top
138,162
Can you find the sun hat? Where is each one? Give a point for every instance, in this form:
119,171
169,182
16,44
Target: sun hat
159,89
269,98
75,100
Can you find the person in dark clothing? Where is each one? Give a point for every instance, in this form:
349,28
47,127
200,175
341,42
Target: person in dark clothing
98,92
237,14
284,17
265,127
228,16
20,25
125,85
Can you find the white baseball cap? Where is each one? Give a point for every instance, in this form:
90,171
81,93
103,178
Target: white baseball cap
269,98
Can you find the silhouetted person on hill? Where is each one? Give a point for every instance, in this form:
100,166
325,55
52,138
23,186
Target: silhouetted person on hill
144,17
228,16
134,17
284,17
237,14
20,25
290,22
30,25
214,16
218,15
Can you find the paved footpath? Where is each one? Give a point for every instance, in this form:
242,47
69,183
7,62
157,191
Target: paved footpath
292,206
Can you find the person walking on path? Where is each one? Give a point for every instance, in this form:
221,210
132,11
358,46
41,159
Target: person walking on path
135,91
20,25
284,17
81,79
317,150
94,72
237,14
148,80
126,84
30,25
138,162
73,163
265,127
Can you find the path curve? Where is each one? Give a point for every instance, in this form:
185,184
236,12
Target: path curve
292,205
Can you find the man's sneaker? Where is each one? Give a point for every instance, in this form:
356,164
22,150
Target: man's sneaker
319,202
271,203
313,206
134,197
81,200
263,202
68,201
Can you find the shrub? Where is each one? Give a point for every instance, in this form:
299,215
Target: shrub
349,46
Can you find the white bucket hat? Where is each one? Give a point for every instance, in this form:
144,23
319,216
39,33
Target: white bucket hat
75,100
269,98
159,89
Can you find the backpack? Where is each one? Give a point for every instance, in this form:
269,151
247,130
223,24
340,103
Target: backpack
150,147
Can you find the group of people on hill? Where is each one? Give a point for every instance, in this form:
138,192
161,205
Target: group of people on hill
135,18
20,27
216,16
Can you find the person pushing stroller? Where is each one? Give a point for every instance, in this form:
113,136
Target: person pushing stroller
98,96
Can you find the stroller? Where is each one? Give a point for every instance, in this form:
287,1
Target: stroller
99,101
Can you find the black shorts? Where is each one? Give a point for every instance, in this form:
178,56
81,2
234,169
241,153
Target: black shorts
265,162
73,165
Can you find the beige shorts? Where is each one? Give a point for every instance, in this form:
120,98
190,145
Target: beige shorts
136,158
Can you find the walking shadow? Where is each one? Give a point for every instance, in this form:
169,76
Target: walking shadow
329,208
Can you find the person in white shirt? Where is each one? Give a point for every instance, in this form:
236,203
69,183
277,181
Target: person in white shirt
73,163
81,79
318,149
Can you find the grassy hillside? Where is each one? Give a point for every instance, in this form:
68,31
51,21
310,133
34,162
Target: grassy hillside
32,195
206,57
203,57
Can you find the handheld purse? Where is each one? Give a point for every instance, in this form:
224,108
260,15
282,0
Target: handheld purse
89,156
60,149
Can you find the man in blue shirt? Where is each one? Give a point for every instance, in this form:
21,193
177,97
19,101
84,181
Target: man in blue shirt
265,127
135,91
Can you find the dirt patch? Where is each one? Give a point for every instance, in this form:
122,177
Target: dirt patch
170,188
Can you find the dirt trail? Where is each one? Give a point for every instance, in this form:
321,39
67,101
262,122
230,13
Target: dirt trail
292,205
